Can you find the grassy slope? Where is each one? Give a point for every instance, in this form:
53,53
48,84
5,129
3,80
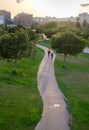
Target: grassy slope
74,83
20,101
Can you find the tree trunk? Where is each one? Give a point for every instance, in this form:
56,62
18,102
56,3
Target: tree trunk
15,61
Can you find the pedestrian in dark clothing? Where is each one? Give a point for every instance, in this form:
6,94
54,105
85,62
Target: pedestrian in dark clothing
52,54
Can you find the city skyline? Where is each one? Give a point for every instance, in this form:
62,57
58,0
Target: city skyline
42,8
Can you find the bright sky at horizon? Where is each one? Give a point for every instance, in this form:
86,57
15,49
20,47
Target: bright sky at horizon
52,8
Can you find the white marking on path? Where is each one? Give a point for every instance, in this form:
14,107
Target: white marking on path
56,105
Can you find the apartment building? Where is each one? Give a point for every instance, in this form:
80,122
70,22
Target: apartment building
6,16
23,19
1,20
84,16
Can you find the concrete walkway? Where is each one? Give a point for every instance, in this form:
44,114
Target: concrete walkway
55,114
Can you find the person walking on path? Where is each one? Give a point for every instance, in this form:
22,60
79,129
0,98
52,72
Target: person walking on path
55,115
52,54
49,51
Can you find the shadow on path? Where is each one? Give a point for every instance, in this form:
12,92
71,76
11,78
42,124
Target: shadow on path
55,115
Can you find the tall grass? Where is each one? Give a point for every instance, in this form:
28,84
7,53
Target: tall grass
20,101
74,83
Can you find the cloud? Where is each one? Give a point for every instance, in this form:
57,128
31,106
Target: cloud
19,1
85,4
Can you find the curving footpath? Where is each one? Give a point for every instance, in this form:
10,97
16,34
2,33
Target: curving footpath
55,115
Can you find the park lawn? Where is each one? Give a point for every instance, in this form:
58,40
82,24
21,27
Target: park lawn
45,43
74,83
20,101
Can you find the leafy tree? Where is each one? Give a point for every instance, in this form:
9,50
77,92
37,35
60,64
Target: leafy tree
78,24
2,30
14,46
85,33
85,24
14,29
68,28
34,25
31,34
33,38
50,28
39,29
68,43
51,25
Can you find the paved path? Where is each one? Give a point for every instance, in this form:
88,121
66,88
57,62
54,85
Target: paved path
86,50
55,114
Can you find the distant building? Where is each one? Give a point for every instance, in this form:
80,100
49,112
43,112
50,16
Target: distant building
83,17
47,19
6,16
23,19
1,20
39,20
71,19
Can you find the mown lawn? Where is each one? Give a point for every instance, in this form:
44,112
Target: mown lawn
45,43
20,101
74,83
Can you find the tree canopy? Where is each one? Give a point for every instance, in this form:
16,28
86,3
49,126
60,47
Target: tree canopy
68,43
14,45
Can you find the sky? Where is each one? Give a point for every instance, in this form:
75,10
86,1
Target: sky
42,8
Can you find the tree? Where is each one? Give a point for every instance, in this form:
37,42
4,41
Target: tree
31,34
85,33
51,24
14,46
33,38
14,29
78,24
2,30
68,43
50,28
85,24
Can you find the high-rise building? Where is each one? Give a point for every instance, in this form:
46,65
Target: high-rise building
1,20
23,19
83,17
6,16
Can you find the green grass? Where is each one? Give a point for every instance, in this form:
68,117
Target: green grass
45,43
74,83
20,101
